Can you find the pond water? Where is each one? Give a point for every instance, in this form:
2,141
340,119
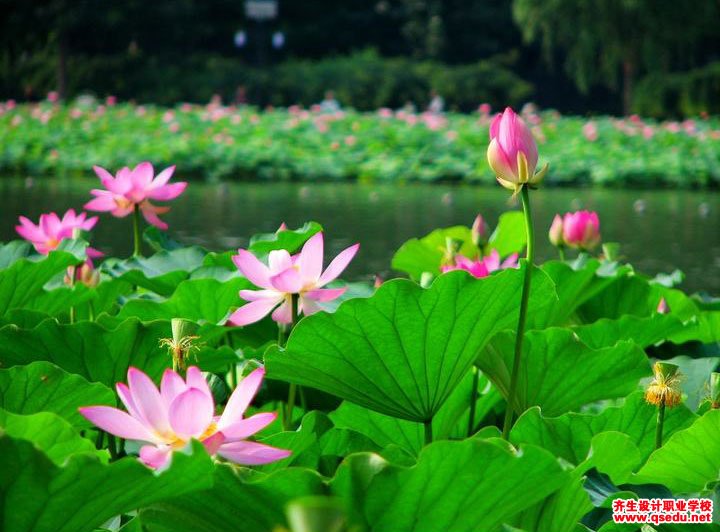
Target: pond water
660,230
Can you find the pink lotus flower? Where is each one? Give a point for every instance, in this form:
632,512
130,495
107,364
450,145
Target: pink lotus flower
513,153
286,275
482,267
663,307
51,230
590,131
556,232
130,188
480,231
181,410
581,229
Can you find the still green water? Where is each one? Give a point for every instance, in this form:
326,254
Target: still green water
659,230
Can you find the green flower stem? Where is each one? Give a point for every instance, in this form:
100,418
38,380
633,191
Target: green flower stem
137,237
428,431
112,447
287,419
72,285
660,423
529,257
473,400
561,252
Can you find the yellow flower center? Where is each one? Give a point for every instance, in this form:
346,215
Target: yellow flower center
178,443
122,202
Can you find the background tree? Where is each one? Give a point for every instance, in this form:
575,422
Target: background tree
603,42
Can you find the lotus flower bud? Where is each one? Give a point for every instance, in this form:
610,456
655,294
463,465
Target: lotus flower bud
663,307
556,232
665,386
715,390
581,229
480,231
513,153
85,274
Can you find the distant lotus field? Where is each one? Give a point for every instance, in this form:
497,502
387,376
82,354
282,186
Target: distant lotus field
215,141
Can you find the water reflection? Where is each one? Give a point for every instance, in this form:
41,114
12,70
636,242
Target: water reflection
659,230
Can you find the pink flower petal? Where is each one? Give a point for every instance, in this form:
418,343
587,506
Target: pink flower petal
247,427
310,261
191,413
251,453
167,192
501,164
510,262
105,176
254,270
142,176
29,231
283,314
88,224
171,386
256,295
279,260
93,253
308,306
102,203
155,457
50,224
117,422
148,401
288,281
150,213
338,264
122,184
126,397
495,126
163,177
241,398
324,294
252,312
213,443
195,379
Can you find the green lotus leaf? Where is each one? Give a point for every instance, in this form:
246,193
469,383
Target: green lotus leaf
50,433
44,387
37,495
254,502
560,373
569,436
689,460
89,349
402,351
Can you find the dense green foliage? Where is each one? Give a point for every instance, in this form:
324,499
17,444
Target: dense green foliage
364,80
617,39
382,376
689,93
244,143
114,47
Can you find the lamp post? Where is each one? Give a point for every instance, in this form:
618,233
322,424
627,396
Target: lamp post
261,11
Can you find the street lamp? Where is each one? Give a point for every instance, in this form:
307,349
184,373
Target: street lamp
261,11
